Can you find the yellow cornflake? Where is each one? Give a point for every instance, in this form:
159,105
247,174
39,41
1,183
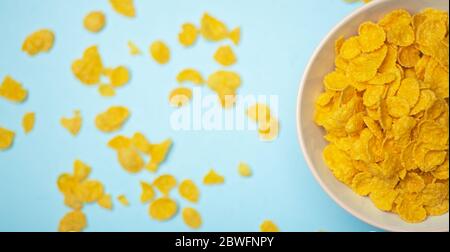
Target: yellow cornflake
120,142
165,183
163,209
106,202
235,35
73,125
94,21
189,191
160,52
130,160
244,170
112,119
269,130
259,112
106,90
268,227
12,90
119,76
225,84
123,200
74,221
6,138
213,178
190,75
188,34
89,68
225,56
81,171
371,37
158,154
147,194
180,96
141,143
385,112
38,42
124,7
28,122
134,49
192,217
213,29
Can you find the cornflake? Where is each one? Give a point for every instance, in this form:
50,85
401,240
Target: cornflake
73,125
28,122
6,138
38,42
12,90
94,21
124,7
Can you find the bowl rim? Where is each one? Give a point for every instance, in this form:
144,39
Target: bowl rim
300,136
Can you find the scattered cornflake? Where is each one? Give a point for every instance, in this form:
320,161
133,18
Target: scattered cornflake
190,75
269,227
225,56
28,122
235,36
213,29
163,209
119,76
180,96
123,200
189,191
124,7
6,138
134,49
106,90
89,68
106,202
12,90
160,52
244,170
95,21
112,119
74,221
225,84
192,218
158,154
38,42
188,35
213,178
165,183
73,125
268,125
147,194
385,113
130,159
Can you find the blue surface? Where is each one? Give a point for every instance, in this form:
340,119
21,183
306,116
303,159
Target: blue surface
279,36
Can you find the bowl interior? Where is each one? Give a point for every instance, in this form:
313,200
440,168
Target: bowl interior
311,136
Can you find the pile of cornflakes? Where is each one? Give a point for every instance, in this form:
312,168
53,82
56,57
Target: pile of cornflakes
78,190
385,111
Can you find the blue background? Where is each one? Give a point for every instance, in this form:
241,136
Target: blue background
279,37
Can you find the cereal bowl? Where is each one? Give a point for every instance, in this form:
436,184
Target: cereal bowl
311,136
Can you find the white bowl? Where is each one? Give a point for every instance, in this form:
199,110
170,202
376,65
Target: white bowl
311,136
